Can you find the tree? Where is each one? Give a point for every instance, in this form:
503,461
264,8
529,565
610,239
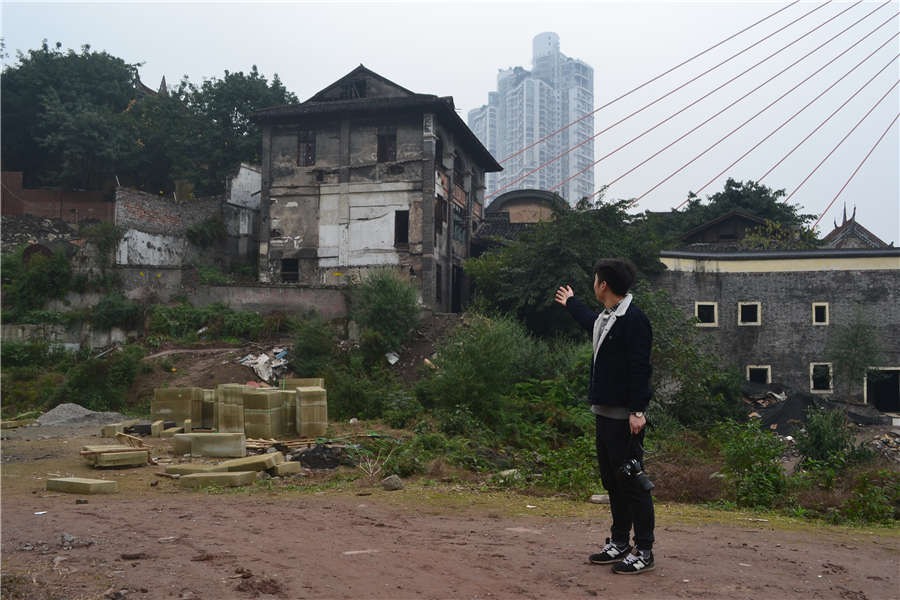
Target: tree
228,136
853,348
521,277
775,236
60,114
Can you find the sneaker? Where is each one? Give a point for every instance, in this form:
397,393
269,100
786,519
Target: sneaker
611,553
636,562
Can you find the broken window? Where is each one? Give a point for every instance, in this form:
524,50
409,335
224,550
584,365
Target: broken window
401,227
820,377
306,153
440,210
749,313
820,313
707,314
759,373
387,147
438,282
459,224
290,270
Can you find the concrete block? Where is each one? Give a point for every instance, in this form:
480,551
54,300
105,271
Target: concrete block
109,431
187,469
312,411
279,457
80,485
289,412
230,479
230,408
293,383
176,404
220,445
122,459
251,463
208,410
171,431
286,468
156,428
106,448
187,425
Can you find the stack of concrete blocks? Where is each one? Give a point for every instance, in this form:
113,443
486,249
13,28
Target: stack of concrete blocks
221,445
263,413
230,408
177,404
208,410
115,456
312,411
292,400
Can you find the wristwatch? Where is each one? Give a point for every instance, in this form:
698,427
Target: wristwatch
637,414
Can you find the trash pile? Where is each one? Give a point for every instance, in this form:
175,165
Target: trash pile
29,229
268,366
888,445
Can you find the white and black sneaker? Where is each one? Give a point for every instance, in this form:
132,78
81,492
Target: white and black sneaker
611,553
636,562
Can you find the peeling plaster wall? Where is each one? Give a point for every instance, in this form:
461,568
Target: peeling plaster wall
141,248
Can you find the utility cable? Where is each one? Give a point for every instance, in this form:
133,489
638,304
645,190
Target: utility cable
791,118
602,158
670,92
663,74
764,109
843,139
855,171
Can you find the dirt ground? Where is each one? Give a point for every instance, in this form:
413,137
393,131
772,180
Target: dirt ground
431,540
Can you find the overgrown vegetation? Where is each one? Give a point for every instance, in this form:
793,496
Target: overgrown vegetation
386,307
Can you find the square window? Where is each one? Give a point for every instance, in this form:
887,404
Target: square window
387,147
749,313
290,270
820,313
759,373
820,377
306,149
707,314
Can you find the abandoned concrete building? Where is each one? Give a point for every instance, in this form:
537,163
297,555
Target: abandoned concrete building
369,174
773,312
509,214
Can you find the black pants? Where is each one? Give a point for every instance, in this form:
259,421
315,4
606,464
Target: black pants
629,503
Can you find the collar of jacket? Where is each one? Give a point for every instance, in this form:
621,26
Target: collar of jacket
623,305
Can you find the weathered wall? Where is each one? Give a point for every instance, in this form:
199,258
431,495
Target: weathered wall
70,206
161,214
72,338
787,340
327,301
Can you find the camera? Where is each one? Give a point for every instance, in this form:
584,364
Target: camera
633,469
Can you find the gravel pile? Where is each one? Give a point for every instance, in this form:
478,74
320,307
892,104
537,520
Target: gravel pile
73,414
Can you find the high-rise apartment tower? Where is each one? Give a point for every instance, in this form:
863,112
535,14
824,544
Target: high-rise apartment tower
529,105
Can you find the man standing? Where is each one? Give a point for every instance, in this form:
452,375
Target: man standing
619,394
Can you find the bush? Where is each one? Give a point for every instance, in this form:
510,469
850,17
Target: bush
182,321
478,365
826,437
29,286
210,275
400,409
752,463
571,470
386,304
101,383
207,233
106,237
314,347
875,499
354,393
115,310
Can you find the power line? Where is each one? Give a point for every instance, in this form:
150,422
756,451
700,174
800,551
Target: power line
791,118
663,74
858,123
767,107
669,93
602,158
855,171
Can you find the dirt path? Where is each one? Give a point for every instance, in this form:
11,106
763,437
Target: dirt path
303,545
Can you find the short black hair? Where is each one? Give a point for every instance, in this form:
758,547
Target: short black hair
618,274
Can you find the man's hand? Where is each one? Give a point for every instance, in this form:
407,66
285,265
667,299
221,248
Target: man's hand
563,294
636,423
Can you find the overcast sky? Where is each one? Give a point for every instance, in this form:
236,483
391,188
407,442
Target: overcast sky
455,49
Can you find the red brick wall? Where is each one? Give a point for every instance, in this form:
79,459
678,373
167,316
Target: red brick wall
70,206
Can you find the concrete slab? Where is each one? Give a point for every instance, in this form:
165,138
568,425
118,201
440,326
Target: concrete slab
107,448
171,431
219,445
122,459
230,479
286,468
81,485
187,469
251,463
156,428
188,423
109,431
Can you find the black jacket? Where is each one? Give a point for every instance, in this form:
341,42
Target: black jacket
621,372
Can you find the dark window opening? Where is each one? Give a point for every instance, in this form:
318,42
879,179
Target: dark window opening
387,147
438,282
320,176
820,313
396,169
354,89
306,153
439,152
401,227
821,377
440,211
290,270
758,375
706,313
749,313
459,171
459,224
883,389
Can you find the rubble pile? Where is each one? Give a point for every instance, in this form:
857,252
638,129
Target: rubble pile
18,230
268,366
888,445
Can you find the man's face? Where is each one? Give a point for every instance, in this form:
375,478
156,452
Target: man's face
599,286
